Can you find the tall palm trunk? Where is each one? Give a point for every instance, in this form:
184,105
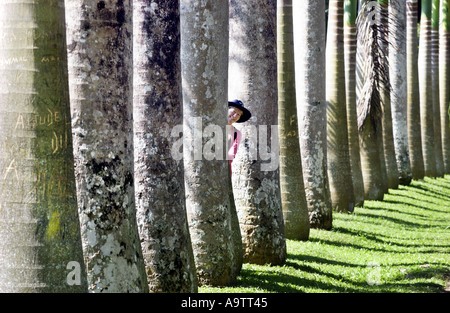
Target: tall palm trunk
339,170
390,161
100,74
293,199
370,75
309,46
398,95
413,114
204,65
350,13
159,176
40,243
435,87
253,79
444,82
425,88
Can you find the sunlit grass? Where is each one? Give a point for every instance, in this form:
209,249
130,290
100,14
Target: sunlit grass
400,244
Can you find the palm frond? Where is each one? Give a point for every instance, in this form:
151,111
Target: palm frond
372,65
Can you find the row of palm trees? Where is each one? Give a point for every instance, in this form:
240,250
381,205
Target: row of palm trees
91,197
387,117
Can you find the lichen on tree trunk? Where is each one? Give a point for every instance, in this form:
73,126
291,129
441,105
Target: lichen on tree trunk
40,244
309,45
100,74
253,80
204,60
159,175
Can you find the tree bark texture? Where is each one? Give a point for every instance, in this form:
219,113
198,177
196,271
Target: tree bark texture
253,80
293,198
399,92
413,97
338,153
40,242
388,137
435,88
425,88
204,64
100,74
444,82
309,46
159,175
370,128
370,161
350,12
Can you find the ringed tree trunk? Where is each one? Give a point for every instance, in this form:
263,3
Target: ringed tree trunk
444,83
293,199
338,157
159,175
436,87
425,88
399,92
413,96
204,65
40,243
369,73
253,80
390,161
309,46
350,13
100,75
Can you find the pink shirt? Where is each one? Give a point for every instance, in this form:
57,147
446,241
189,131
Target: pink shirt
232,150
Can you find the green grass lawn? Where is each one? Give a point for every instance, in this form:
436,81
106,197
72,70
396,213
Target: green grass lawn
398,245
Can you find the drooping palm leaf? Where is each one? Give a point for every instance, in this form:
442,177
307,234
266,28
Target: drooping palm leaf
371,36
372,79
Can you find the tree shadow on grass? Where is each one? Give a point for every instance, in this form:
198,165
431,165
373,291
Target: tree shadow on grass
443,183
405,201
278,282
390,245
434,270
427,192
437,271
315,259
434,185
399,210
398,221
275,281
430,271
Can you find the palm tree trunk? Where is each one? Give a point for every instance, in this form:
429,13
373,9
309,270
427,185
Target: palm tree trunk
435,88
398,95
425,87
159,176
309,46
350,13
100,74
253,80
339,170
388,137
293,199
40,243
413,114
444,83
204,65
369,73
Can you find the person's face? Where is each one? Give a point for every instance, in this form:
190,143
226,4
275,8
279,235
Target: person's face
234,114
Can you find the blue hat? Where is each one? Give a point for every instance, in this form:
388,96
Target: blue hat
245,113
